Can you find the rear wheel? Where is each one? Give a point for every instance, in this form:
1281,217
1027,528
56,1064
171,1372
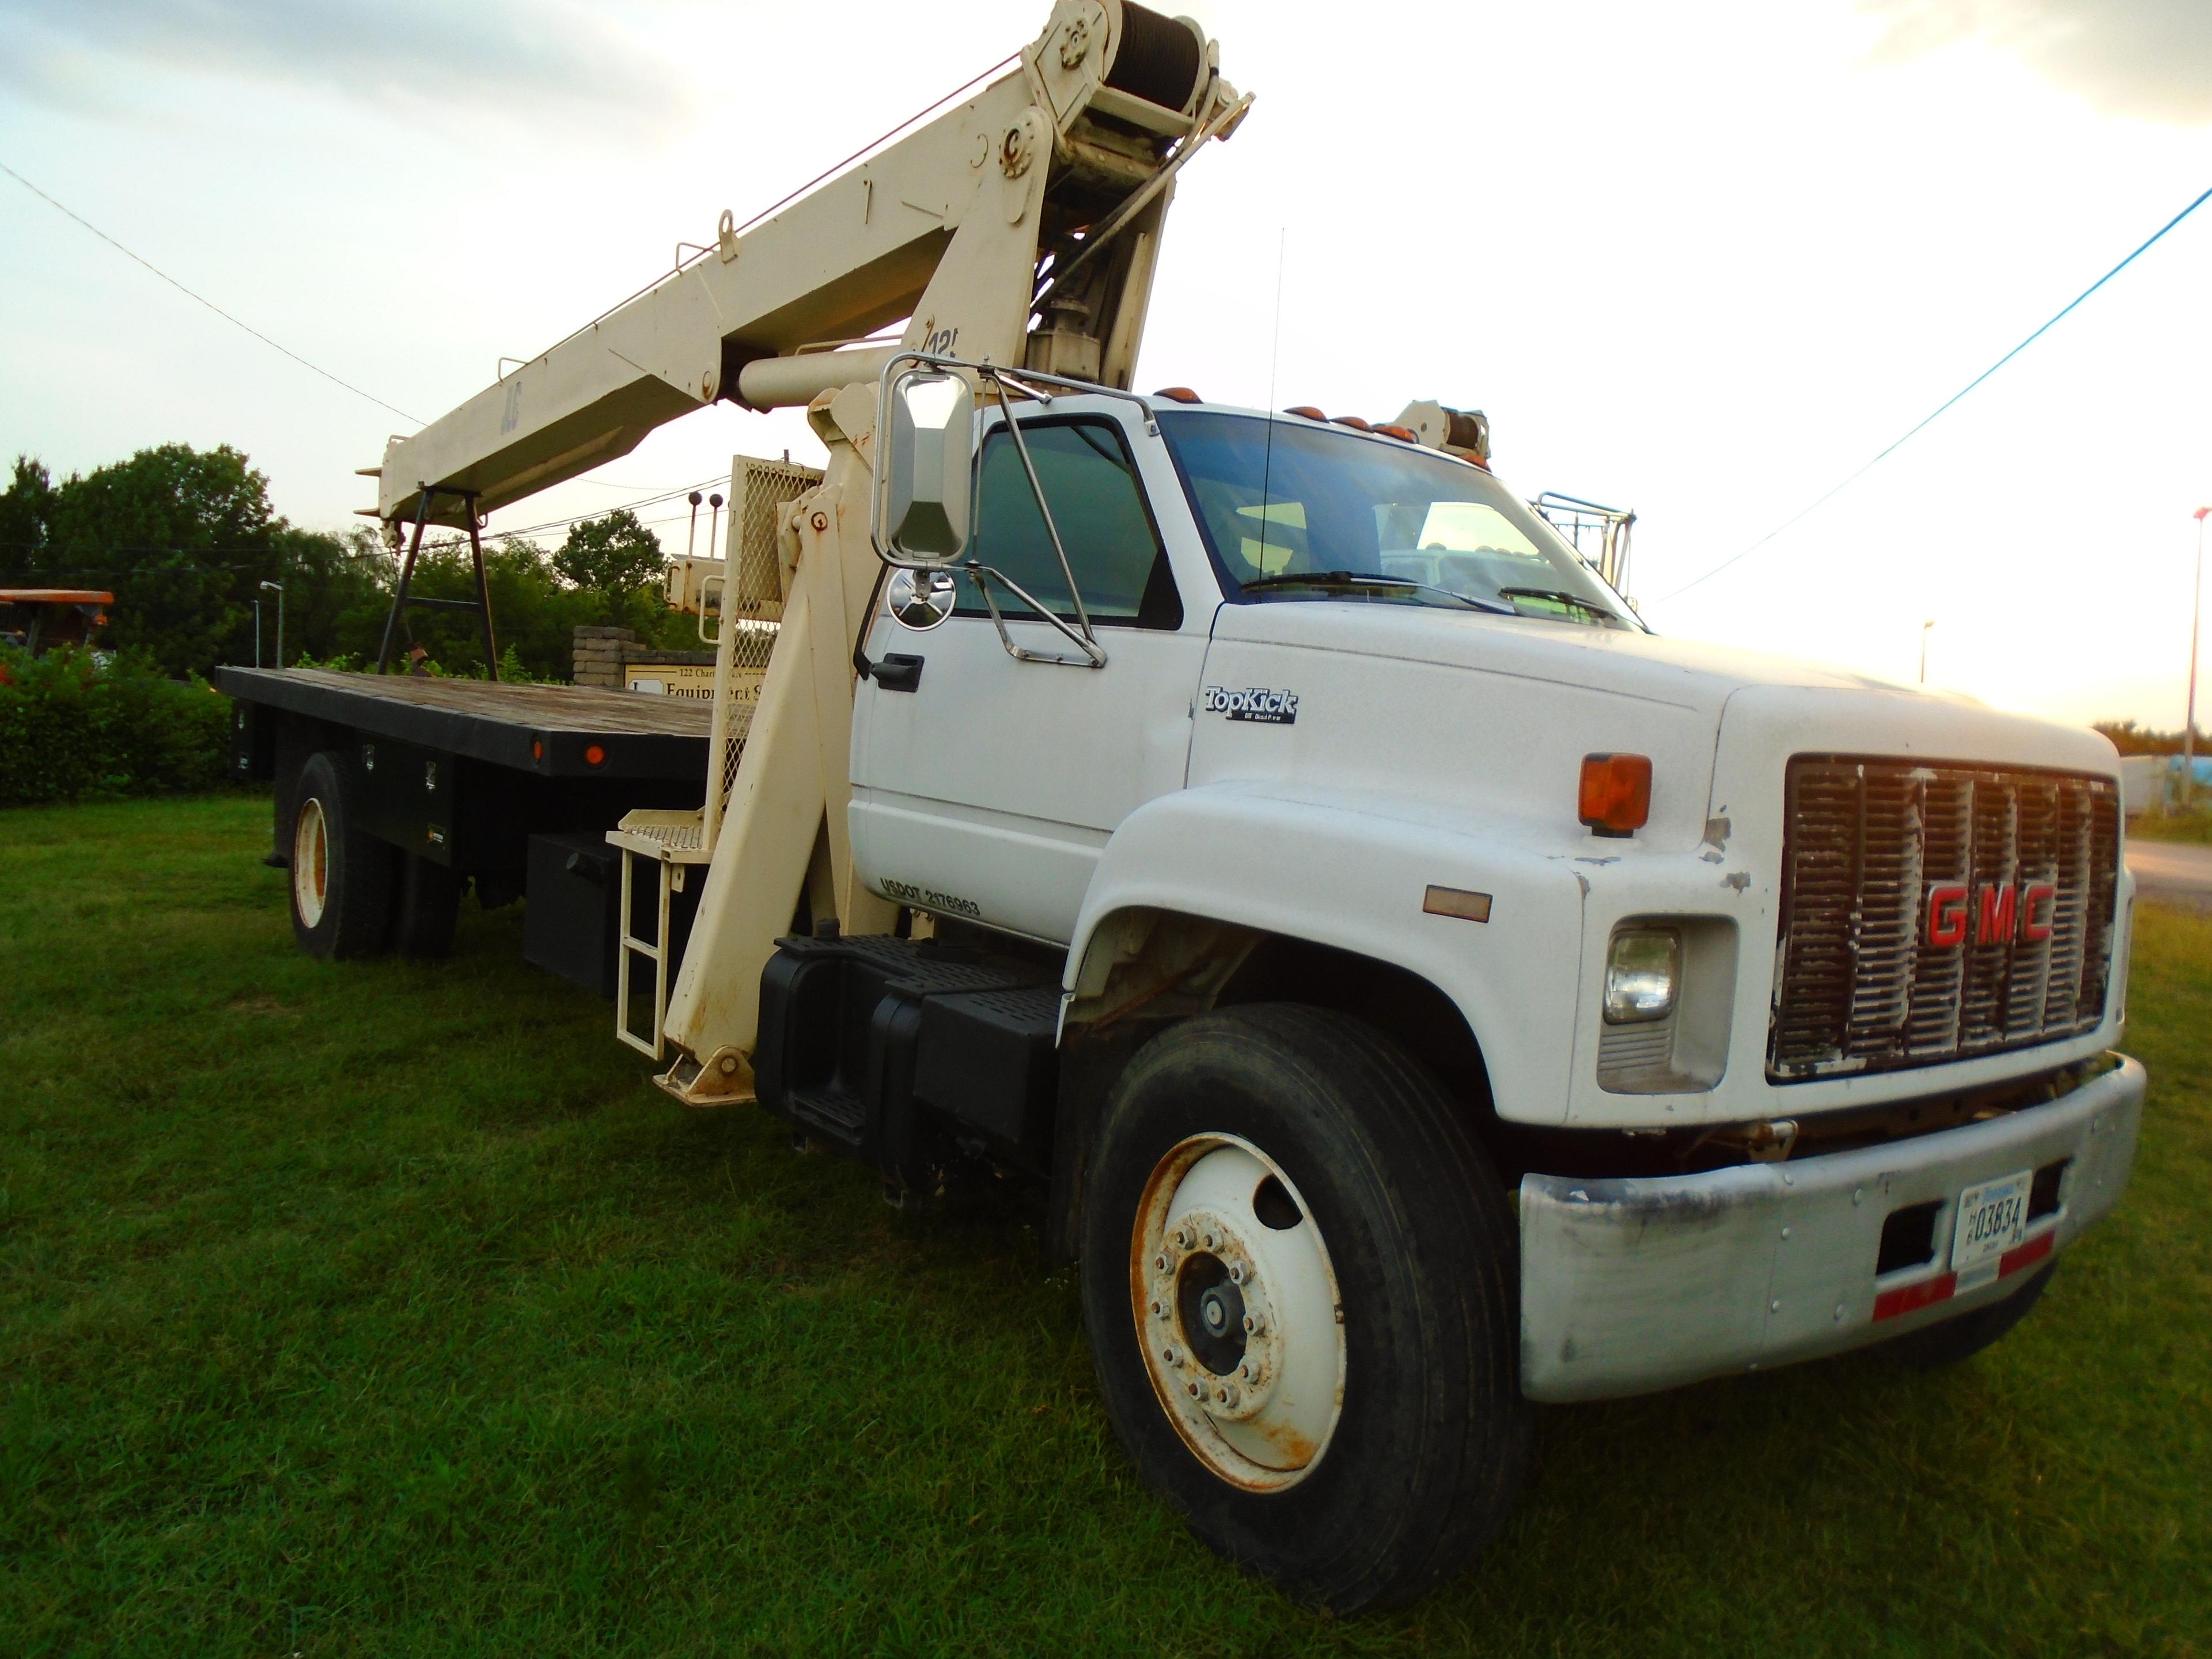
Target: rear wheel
1962,1338
342,877
1299,1282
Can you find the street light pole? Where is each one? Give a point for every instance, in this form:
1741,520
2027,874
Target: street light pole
279,587
2188,727
1925,627
257,632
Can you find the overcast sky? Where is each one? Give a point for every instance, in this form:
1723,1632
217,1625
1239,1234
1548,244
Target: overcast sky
1702,260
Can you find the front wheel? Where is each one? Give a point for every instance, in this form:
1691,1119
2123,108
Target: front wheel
1300,1285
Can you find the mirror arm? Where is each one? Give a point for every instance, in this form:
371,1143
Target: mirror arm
1044,509
1093,656
861,665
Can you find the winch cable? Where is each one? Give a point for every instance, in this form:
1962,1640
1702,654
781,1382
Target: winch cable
1806,512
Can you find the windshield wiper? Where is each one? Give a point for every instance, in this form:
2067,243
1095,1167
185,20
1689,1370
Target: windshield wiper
1559,596
1355,578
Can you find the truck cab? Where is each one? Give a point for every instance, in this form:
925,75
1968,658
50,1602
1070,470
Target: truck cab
1775,1006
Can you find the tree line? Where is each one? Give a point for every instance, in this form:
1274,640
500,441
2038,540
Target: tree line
2130,738
185,537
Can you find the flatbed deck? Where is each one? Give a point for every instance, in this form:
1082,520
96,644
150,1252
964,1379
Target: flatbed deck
551,731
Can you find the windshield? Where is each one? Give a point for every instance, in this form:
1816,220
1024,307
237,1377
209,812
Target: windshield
1294,511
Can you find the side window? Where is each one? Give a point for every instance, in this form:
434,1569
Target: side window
1099,508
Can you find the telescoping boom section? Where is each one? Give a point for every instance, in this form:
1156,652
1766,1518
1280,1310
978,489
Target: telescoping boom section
1018,227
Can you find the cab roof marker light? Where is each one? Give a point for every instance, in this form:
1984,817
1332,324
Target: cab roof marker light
1615,797
1180,394
1307,410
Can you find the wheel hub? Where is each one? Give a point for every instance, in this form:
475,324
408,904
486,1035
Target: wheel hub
1238,1314
311,861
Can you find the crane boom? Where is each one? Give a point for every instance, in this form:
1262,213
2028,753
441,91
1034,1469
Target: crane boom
956,228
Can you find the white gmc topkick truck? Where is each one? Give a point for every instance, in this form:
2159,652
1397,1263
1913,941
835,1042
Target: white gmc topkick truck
1416,989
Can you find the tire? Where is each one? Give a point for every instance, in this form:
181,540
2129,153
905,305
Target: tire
1381,1440
341,877
1954,1340
427,904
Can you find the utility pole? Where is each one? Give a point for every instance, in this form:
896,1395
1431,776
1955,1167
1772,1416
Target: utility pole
1925,627
279,587
2189,727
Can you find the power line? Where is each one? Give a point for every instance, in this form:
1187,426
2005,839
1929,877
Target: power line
1806,512
202,298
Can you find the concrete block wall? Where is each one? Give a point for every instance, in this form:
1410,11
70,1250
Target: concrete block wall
599,656
604,656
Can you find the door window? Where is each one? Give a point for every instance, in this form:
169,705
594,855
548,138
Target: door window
1099,508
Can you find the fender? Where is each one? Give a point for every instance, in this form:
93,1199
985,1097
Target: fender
1353,872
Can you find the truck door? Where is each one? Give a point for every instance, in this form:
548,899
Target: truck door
988,790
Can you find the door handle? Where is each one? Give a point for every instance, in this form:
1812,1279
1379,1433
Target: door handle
896,671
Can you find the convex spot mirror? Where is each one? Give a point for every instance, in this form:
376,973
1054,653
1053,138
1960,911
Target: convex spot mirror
920,599
932,418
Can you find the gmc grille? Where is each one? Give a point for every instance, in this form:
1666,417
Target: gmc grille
2019,869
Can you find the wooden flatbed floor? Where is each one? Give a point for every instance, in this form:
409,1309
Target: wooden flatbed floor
549,730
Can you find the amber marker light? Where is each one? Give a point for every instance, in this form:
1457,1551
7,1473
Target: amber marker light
595,755
1616,793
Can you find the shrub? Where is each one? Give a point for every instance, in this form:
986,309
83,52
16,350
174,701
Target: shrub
73,726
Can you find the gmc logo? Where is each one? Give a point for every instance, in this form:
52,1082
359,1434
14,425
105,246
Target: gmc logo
1996,915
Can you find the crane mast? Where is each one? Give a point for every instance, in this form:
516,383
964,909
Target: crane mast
1021,228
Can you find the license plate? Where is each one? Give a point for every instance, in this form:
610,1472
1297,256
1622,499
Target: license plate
1992,1219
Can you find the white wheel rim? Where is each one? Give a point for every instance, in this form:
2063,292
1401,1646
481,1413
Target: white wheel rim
1256,1405
311,862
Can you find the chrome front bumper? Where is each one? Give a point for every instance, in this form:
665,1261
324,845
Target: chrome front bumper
1634,1285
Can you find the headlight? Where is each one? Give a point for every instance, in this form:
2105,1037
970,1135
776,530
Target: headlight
1643,971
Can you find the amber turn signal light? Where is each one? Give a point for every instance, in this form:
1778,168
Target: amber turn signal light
1616,793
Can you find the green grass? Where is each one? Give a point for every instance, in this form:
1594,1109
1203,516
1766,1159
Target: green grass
2193,826
386,1309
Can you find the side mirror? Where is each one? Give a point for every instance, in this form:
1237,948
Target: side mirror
922,497
919,599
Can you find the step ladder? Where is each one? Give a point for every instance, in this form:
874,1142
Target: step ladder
675,842
739,613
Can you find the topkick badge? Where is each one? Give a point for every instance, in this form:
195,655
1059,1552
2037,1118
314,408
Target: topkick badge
1254,704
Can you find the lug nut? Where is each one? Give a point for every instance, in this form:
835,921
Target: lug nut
1160,1262
1194,1391
1209,1241
1168,1354
1159,1312
1236,1273
1224,1396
